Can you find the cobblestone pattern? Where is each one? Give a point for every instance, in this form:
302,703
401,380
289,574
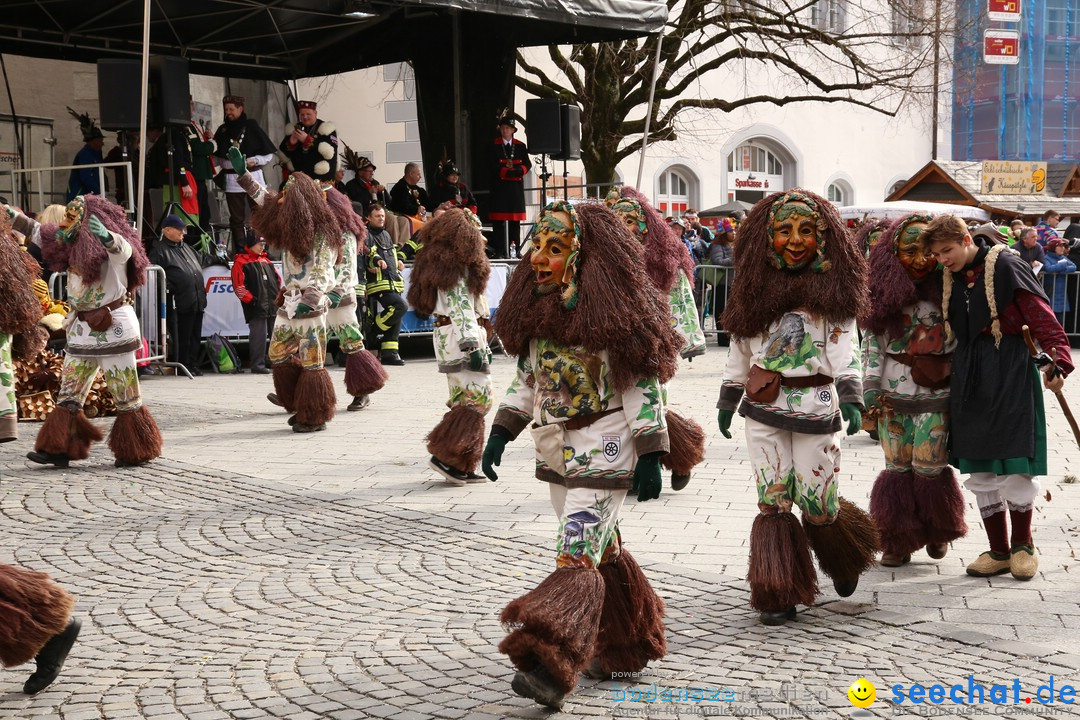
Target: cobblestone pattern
352,585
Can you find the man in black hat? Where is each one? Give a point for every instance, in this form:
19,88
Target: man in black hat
186,291
364,188
312,145
240,131
510,164
87,181
449,189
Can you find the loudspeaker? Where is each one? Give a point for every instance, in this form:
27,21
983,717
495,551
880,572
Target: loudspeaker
118,93
570,122
545,133
170,91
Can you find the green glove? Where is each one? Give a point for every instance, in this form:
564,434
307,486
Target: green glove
476,360
302,309
100,231
496,443
872,398
335,298
239,162
723,418
853,416
647,480
10,212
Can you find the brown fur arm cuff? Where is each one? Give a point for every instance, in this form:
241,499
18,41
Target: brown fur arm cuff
730,395
850,390
512,420
653,442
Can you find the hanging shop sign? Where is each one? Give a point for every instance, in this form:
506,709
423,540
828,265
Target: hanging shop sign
1004,10
1001,47
1004,177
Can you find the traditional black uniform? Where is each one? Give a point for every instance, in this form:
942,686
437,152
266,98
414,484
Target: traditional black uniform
510,164
406,199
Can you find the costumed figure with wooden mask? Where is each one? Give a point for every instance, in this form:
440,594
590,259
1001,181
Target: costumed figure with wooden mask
671,270
105,264
448,281
589,384
364,374
800,282
916,500
300,223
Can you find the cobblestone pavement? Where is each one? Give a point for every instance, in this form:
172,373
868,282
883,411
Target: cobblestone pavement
254,573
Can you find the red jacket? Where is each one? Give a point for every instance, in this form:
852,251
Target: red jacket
255,282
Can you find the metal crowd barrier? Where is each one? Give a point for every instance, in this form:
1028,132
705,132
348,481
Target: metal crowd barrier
150,303
44,199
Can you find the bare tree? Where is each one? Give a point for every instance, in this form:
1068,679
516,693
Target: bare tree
869,53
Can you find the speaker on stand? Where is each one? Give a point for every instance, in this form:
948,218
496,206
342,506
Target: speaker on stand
570,134
544,135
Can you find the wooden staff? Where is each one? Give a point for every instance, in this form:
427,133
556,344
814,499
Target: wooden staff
1042,360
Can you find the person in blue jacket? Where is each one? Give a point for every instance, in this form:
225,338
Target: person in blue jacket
1057,263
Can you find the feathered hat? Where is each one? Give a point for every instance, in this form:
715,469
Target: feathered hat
90,130
356,162
506,117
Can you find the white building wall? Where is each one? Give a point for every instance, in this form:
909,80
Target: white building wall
865,152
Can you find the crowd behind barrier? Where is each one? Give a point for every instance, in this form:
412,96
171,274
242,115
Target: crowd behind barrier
712,284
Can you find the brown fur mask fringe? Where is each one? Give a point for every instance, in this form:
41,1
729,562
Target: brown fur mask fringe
86,255
761,294
20,308
342,208
619,309
453,249
293,225
665,253
891,288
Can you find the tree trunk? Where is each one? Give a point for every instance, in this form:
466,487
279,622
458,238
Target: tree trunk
602,118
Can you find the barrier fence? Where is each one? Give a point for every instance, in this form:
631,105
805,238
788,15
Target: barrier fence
713,282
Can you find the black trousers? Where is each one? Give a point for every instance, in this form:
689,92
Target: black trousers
258,330
203,196
392,309
240,206
185,329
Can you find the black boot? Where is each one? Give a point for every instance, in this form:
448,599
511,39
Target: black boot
390,357
60,460
538,685
776,617
50,659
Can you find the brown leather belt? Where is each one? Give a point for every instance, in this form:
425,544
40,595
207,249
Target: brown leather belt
583,421
805,382
442,320
909,360
111,306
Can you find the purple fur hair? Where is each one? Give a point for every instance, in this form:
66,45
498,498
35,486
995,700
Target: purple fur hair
350,221
665,254
87,255
891,289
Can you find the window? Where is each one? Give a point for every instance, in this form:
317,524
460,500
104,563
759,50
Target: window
754,159
836,195
673,197
829,15
908,18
